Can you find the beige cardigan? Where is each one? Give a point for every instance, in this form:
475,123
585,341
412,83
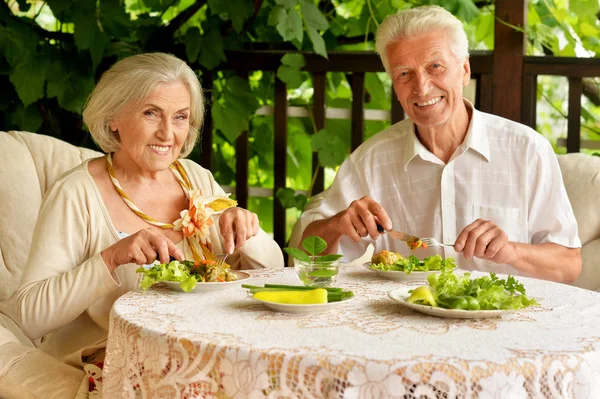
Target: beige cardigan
66,289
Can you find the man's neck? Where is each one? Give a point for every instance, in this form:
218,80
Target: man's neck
443,140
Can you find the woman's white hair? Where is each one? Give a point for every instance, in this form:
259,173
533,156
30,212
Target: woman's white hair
129,82
406,24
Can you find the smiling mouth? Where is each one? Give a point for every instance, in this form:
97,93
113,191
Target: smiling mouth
160,148
433,101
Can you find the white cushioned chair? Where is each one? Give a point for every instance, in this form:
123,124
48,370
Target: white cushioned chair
29,164
581,174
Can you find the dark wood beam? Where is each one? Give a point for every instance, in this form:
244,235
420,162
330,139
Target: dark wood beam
339,61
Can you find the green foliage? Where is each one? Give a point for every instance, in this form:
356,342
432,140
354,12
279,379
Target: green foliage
289,71
289,199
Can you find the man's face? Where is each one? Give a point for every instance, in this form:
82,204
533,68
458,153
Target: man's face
428,78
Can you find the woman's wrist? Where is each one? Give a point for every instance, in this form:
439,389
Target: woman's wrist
108,260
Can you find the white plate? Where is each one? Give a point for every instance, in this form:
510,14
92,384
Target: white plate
399,275
209,286
401,295
303,309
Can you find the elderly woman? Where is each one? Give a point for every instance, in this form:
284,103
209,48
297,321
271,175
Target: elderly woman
141,203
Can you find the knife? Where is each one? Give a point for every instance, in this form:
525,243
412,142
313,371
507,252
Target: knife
397,235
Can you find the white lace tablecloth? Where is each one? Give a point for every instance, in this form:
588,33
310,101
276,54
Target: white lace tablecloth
166,344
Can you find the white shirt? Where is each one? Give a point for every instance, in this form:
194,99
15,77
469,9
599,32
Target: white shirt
503,171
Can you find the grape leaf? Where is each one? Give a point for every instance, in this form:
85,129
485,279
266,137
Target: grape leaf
68,85
313,17
192,41
26,118
288,23
211,49
289,75
295,60
87,30
317,41
287,3
29,79
331,148
115,21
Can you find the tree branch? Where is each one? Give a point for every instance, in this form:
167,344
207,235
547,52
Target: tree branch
182,18
257,5
30,24
591,90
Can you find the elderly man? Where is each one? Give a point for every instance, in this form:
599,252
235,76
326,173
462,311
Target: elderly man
487,185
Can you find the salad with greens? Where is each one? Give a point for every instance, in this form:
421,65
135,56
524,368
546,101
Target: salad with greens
392,261
451,291
186,273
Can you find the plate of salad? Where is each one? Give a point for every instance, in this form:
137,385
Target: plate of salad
298,299
393,266
459,296
190,276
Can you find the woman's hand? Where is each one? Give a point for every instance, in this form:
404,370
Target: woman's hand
236,226
141,248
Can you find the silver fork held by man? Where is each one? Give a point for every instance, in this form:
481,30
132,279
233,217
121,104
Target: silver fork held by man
429,241
432,242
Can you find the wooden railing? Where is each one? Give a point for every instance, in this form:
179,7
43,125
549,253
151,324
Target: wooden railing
355,65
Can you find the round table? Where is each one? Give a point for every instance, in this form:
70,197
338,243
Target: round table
167,344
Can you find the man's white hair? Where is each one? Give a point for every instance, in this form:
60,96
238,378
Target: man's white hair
407,24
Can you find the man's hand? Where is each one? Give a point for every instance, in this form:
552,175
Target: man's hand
361,218
484,239
237,225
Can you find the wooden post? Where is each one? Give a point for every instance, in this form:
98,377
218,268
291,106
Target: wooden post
357,134
319,85
280,122
206,133
509,45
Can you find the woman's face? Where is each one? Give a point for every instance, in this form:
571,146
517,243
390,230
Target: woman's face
153,134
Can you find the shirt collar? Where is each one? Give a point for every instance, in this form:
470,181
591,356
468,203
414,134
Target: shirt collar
476,139
477,136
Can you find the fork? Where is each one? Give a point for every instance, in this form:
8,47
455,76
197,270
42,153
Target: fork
432,242
220,259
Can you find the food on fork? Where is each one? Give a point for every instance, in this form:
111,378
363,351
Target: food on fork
415,243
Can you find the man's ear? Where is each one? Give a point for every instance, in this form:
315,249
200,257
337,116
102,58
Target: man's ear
467,72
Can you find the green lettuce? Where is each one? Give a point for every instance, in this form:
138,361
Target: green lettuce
491,292
173,271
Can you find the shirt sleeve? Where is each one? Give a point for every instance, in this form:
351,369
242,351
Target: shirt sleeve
347,186
60,281
550,214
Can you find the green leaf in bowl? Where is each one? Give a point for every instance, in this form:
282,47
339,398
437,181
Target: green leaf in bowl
323,272
314,245
298,254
